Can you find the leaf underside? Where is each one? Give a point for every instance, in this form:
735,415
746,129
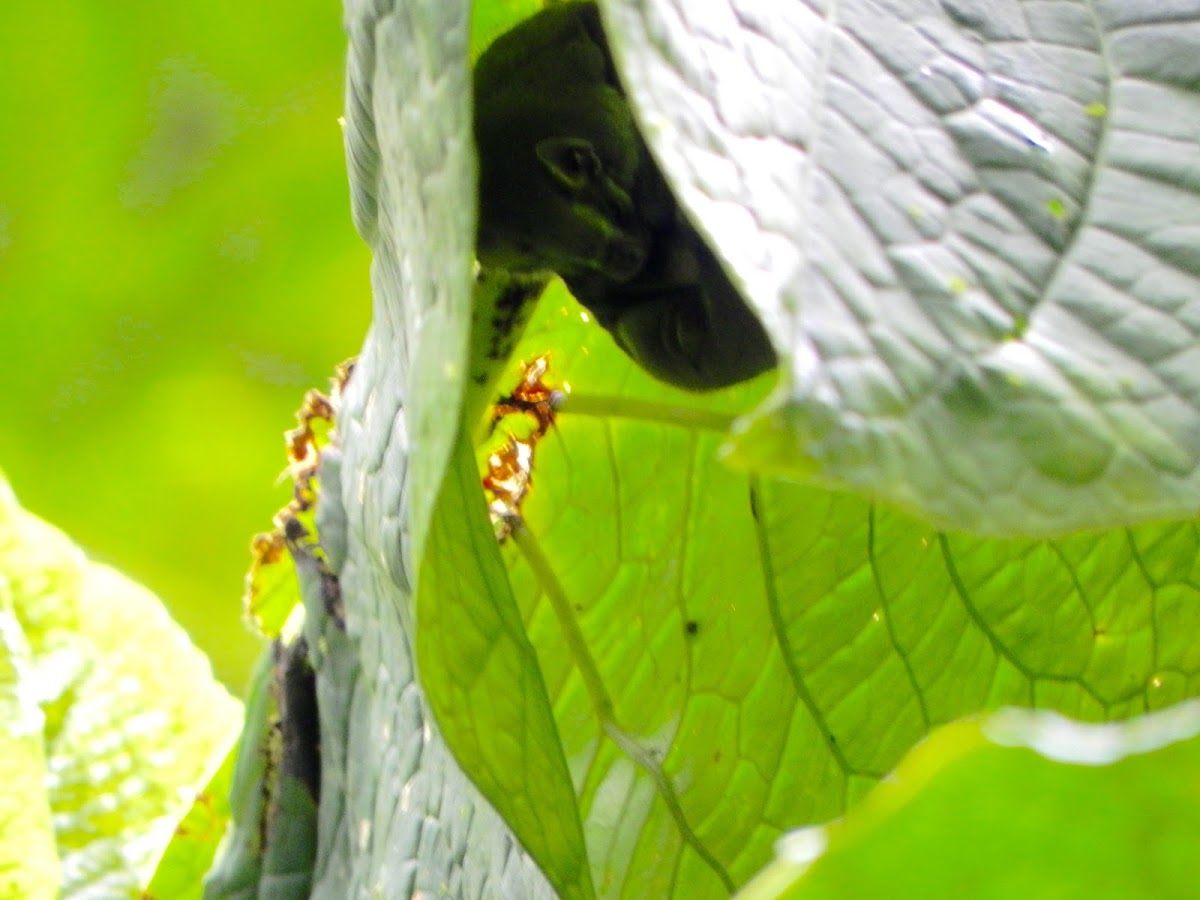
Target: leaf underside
971,227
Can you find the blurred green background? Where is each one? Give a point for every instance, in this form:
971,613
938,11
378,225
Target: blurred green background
177,266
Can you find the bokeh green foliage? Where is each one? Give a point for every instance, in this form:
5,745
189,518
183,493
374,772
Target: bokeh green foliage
177,266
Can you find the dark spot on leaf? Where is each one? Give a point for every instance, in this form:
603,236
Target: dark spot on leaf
294,530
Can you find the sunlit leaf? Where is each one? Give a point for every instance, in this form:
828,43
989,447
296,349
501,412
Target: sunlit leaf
1018,805
112,700
185,862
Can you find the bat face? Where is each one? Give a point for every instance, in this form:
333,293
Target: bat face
566,185
555,182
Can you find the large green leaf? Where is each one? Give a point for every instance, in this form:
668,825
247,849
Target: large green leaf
181,870
754,654
115,721
1021,805
971,228
31,866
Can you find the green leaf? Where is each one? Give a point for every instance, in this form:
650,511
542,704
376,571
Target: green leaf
238,870
270,847
732,656
181,870
980,282
481,676
398,100
1017,805
117,723
30,859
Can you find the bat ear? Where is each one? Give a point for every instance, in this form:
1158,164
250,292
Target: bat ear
572,161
